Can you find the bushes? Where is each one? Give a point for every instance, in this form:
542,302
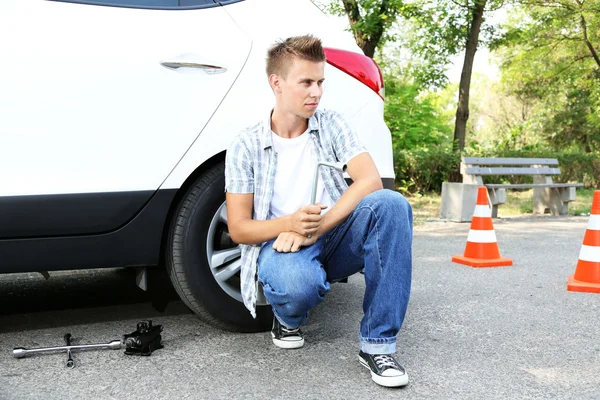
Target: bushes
580,167
424,170
421,124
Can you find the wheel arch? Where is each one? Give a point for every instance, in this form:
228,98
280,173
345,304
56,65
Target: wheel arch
201,169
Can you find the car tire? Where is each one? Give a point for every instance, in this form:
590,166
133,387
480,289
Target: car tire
197,236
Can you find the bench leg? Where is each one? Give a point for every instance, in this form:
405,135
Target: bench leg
541,200
542,196
497,197
555,200
557,207
566,195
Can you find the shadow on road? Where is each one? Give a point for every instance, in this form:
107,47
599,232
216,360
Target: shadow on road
82,297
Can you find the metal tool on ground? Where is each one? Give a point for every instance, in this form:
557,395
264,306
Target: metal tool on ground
338,166
70,362
143,341
20,352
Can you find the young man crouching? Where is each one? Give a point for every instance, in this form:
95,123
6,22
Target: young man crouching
295,249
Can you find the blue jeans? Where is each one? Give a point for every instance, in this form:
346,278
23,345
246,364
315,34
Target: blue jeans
376,236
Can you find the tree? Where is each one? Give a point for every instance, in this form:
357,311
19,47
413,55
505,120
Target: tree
370,20
457,27
462,110
439,30
550,56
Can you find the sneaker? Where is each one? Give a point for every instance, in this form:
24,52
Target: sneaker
286,338
385,370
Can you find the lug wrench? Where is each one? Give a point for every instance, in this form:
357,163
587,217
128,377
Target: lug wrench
20,352
70,362
338,166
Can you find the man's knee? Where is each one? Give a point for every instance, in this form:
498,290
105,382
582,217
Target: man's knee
294,291
389,202
301,301
304,288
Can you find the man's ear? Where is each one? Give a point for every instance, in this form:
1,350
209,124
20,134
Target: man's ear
275,82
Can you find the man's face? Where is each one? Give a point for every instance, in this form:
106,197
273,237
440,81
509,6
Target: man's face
302,88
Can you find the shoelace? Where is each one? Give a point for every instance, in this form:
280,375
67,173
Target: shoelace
385,361
289,331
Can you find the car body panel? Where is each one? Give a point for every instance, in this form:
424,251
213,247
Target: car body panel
251,99
91,108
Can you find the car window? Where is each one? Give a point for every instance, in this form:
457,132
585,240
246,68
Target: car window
187,3
146,3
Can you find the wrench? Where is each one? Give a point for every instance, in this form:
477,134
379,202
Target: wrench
20,352
70,362
338,166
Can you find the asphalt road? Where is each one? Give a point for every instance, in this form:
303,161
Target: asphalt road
494,333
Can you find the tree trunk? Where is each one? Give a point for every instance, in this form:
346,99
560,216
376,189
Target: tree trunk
462,111
587,41
367,44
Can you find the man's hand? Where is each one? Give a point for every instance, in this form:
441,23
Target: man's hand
307,219
291,242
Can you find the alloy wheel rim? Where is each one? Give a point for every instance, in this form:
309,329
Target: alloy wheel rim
224,256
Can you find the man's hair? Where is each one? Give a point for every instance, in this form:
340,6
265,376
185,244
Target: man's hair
281,54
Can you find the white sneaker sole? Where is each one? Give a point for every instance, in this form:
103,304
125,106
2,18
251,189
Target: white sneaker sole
387,381
287,344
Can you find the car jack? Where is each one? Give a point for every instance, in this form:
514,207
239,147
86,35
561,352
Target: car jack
143,341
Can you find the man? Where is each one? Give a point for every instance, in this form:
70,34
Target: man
295,249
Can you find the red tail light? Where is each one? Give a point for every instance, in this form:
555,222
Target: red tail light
358,66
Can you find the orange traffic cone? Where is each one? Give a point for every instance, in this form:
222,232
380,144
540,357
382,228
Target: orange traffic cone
587,275
482,248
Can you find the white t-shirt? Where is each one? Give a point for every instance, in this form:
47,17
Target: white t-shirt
296,163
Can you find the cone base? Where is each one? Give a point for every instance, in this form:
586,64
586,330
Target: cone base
578,286
480,263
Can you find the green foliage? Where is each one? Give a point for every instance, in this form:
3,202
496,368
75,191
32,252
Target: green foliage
430,32
437,30
424,169
413,117
549,63
370,20
500,119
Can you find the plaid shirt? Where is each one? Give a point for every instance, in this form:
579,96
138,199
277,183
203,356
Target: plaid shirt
250,168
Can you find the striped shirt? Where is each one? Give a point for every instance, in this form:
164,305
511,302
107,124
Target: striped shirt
250,167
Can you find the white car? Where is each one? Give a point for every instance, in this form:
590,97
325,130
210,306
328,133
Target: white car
114,120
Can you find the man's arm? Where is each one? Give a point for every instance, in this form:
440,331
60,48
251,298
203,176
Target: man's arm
363,172
366,179
307,220
244,229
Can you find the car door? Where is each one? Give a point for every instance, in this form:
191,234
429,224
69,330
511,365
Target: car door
98,103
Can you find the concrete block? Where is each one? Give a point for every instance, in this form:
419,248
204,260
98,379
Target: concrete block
497,196
458,201
568,194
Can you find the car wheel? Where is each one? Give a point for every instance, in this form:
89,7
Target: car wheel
204,263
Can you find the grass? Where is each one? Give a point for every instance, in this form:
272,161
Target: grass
427,206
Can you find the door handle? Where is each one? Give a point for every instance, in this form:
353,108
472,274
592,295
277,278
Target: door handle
208,68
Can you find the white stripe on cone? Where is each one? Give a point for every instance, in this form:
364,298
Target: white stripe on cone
476,236
590,253
594,223
482,211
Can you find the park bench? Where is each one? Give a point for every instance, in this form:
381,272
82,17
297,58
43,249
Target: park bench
458,198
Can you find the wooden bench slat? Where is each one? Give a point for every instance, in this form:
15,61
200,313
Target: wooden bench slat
509,161
531,186
512,171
